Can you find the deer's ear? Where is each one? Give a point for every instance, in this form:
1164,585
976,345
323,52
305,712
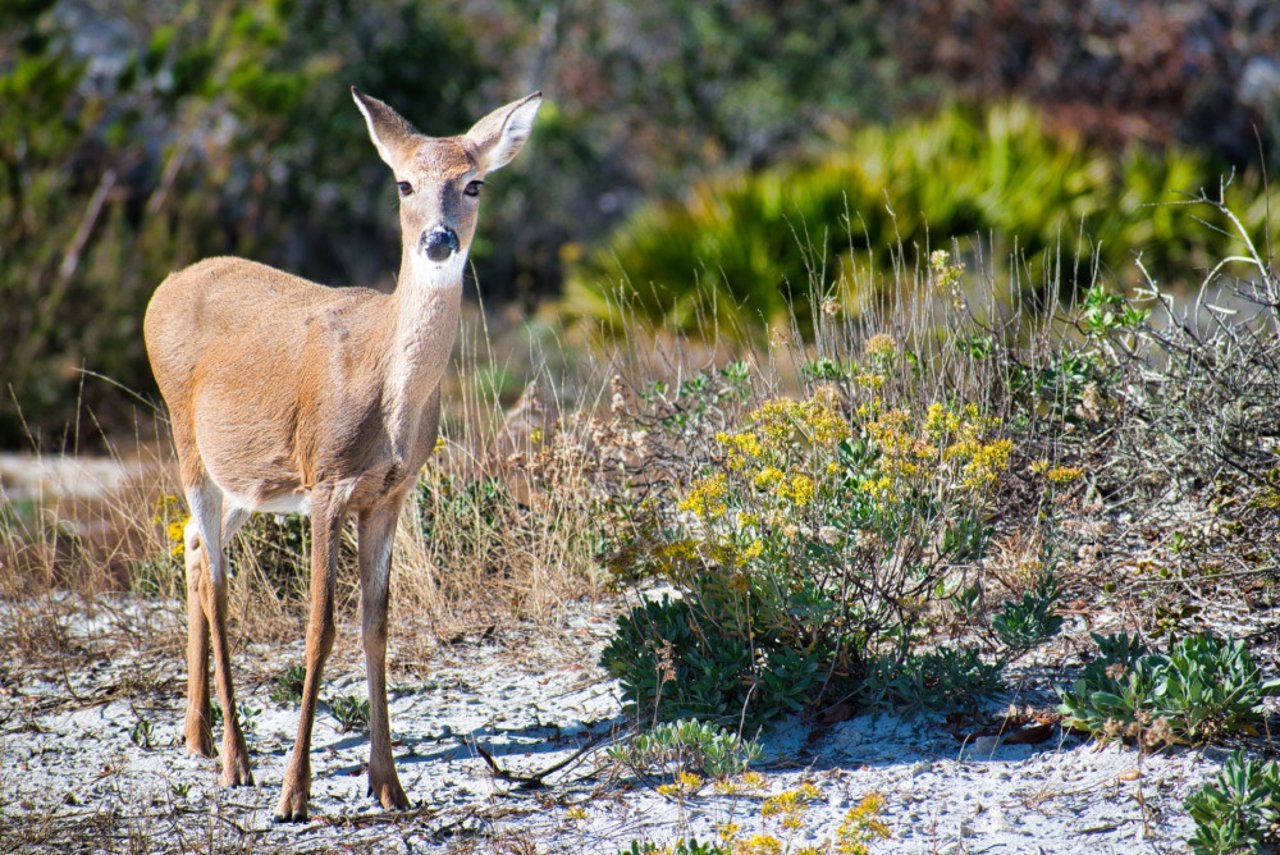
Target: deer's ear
387,128
499,136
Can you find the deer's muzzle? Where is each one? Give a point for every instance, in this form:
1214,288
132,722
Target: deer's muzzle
439,243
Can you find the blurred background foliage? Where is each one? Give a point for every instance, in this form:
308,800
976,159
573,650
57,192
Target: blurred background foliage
137,136
739,252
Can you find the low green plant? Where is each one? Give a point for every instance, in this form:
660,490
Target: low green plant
1204,689
1022,624
351,713
1239,810
682,846
686,746
289,685
142,732
942,679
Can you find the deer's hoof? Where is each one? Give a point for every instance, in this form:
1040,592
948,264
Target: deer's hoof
389,794
293,803
235,772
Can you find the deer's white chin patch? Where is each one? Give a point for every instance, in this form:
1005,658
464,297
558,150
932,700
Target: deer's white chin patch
444,274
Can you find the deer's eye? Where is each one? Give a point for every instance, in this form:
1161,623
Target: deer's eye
405,188
473,188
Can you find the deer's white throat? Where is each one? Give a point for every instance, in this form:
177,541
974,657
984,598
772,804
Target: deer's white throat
428,274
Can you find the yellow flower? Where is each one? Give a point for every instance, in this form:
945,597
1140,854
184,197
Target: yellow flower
1060,475
767,477
576,812
707,498
799,490
762,844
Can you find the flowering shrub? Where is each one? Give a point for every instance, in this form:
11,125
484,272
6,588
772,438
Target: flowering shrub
806,549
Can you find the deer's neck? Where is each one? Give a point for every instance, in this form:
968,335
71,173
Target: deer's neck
424,321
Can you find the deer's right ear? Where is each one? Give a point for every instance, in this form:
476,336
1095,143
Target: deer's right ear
387,128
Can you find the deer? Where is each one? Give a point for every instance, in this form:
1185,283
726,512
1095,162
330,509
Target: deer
287,396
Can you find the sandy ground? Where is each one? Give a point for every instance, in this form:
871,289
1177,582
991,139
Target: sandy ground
80,773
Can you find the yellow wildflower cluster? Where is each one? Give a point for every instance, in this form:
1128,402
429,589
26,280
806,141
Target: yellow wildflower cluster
767,477
861,825
1057,475
986,462
790,805
946,273
743,447
685,784
798,489
817,420
950,443
707,498
169,514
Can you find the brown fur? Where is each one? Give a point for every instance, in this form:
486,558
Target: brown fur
282,392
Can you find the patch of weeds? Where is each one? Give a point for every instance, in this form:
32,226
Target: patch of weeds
686,746
248,716
1239,810
142,732
943,679
181,789
680,847
289,685
351,713
1025,624
1203,690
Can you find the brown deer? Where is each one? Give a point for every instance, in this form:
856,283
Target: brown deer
285,395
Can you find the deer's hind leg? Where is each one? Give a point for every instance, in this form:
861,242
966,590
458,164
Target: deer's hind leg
209,629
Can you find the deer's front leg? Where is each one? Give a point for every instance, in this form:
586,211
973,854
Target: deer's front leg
326,525
377,532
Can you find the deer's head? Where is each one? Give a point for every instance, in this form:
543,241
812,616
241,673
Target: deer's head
440,179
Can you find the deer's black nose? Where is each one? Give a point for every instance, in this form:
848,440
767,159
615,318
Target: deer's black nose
439,243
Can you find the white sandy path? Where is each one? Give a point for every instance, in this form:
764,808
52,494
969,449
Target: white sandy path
78,770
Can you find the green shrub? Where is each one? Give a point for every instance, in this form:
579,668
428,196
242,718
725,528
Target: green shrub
1026,623
1239,811
747,247
804,553
943,680
1203,690
686,746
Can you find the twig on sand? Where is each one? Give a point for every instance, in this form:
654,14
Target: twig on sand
536,780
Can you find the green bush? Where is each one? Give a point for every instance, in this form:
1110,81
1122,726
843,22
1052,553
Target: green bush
1239,811
751,246
686,746
1204,689
804,553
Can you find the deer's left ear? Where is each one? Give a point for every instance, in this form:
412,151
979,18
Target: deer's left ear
499,136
